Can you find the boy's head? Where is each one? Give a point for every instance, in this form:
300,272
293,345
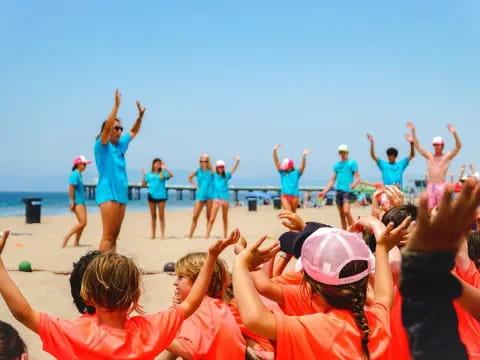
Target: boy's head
188,268
112,282
343,152
474,247
438,144
76,281
12,346
392,154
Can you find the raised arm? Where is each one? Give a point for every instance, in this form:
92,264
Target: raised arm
144,178
372,147
201,284
409,138
275,156
458,143
108,128
304,161
170,174
416,143
235,166
16,302
138,123
267,287
253,312
462,172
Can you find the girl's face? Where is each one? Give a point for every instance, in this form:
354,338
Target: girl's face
81,167
221,170
182,285
116,132
157,166
204,163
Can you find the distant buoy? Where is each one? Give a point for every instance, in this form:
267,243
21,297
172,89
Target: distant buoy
169,267
25,266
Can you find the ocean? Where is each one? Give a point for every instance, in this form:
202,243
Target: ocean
56,203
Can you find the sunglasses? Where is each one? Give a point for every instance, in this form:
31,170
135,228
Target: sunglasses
118,128
204,161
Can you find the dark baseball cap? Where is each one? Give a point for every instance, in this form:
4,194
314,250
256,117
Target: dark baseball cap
291,242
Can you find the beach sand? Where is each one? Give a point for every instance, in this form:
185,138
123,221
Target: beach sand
49,292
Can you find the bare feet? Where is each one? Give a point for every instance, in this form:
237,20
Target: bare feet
64,243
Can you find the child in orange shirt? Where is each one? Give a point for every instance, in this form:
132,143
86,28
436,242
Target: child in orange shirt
111,284
212,331
337,265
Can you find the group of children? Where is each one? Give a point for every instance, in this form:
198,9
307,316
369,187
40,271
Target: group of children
352,294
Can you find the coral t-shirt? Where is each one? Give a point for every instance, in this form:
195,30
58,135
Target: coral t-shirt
289,278
298,300
143,337
332,335
212,332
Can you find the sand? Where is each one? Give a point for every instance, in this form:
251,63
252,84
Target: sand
49,292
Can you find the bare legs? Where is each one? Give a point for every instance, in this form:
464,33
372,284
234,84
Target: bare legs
197,209
213,215
153,215
290,205
80,212
112,214
161,217
345,215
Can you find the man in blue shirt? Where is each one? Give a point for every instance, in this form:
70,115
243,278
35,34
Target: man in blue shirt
346,178
392,170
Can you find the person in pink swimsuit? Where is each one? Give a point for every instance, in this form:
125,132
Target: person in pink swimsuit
438,163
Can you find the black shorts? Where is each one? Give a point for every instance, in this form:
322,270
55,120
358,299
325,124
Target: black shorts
342,196
155,201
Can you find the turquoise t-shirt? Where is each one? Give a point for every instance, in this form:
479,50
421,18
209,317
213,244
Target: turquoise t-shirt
289,182
77,181
156,185
392,173
112,173
345,171
205,185
220,186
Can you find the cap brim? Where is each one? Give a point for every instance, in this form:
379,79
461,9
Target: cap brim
287,241
295,245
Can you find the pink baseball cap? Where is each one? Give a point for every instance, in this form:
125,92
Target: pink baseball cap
286,164
326,252
81,160
438,140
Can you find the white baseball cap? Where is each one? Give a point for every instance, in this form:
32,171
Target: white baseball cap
438,140
220,163
343,148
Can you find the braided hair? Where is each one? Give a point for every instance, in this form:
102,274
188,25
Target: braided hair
349,297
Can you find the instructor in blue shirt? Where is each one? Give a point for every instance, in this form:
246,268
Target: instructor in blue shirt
392,170
112,188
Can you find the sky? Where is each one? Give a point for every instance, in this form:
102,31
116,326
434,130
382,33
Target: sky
234,77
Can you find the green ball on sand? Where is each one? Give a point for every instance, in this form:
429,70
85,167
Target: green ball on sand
25,266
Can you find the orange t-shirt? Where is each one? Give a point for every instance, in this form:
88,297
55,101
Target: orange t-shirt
333,335
289,278
263,342
212,332
298,300
144,337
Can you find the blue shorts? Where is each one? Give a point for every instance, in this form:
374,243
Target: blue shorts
343,196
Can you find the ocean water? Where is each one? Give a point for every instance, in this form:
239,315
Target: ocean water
56,203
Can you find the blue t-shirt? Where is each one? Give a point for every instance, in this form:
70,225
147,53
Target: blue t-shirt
220,186
205,185
289,182
156,185
392,173
77,181
112,173
345,171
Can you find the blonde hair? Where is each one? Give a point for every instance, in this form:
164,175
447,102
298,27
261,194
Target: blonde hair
190,266
112,282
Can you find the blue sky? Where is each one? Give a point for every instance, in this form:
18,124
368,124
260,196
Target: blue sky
234,77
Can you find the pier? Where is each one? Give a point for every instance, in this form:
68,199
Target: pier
134,190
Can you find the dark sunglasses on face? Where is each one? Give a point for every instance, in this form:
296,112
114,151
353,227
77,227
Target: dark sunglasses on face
118,128
204,161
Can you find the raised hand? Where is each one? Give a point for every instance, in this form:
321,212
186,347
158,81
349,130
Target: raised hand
370,138
291,220
144,172
118,98
3,240
445,230
240,245
217,248
391,237
253,256
141,110
236,157
451,128
306,152
409,138
410,126
395,196
276,147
